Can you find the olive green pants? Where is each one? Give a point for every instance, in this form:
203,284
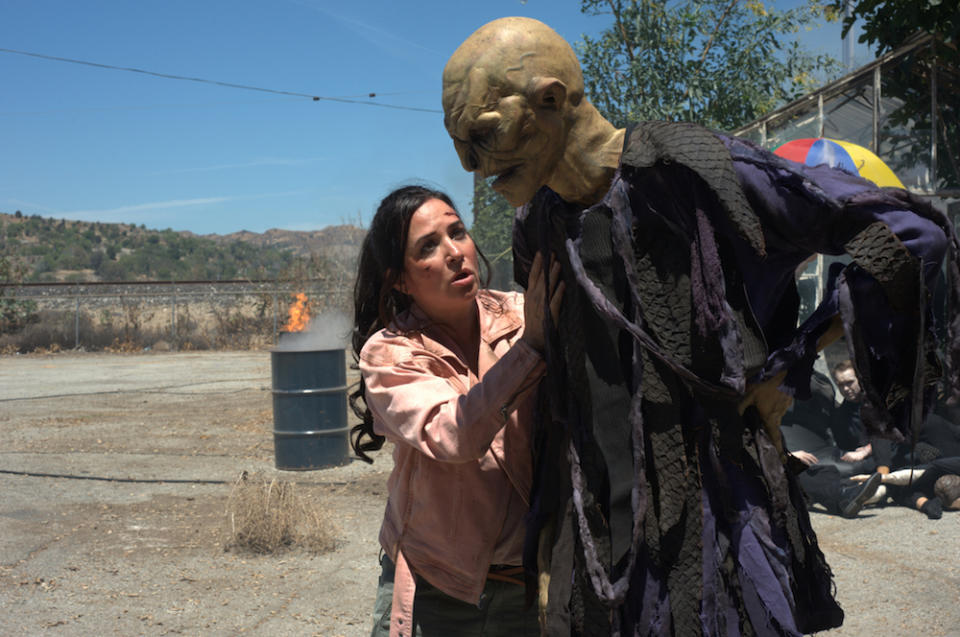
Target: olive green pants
500,612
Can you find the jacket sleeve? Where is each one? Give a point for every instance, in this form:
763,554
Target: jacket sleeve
419,398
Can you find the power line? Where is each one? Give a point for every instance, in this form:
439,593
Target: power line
148,107
247,87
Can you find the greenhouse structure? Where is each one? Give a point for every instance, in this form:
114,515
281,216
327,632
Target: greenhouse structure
903,107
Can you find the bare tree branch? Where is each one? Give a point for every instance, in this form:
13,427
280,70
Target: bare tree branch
628,45
708,45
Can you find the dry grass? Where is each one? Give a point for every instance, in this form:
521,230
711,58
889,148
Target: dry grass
265,517
123,324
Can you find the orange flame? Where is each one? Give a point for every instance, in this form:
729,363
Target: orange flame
299,314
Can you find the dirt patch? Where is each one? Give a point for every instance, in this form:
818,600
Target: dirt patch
153,567
117,472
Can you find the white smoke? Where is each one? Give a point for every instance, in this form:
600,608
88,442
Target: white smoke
330,330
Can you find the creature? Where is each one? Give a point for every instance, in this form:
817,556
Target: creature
662,501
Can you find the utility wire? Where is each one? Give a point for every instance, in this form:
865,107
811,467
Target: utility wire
147,107
247,87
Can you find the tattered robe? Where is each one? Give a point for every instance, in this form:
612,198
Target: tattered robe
657,509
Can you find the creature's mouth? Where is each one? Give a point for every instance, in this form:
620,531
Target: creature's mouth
506,174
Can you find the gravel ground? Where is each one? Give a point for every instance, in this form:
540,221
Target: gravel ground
116,473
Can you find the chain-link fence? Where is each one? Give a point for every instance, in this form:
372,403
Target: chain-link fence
163,316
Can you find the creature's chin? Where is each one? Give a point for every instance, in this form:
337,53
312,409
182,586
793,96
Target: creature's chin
509,184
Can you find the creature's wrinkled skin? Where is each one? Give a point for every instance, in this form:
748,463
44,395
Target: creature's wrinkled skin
513,104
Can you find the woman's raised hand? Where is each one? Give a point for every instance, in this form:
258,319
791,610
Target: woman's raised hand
535,298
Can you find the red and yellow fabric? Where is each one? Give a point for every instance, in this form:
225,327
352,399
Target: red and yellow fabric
855,159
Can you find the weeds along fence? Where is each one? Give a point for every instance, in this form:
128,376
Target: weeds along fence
136,316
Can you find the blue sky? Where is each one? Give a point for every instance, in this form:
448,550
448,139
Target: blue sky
82,142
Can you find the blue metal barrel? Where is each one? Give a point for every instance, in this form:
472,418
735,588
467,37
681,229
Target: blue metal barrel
309,409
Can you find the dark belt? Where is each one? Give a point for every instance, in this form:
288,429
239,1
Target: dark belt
506,573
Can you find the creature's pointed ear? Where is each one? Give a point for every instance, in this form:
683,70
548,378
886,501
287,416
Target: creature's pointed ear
547,92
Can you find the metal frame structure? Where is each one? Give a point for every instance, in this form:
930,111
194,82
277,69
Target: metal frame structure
840,109
855,108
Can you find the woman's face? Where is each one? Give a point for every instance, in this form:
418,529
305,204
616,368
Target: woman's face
440,267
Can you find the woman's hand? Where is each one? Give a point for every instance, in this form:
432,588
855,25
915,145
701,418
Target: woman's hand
534,300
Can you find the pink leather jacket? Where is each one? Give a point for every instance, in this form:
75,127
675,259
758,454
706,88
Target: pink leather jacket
462,460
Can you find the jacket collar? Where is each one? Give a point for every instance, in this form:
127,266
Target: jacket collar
494,322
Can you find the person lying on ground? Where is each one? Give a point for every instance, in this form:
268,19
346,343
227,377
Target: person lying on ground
838,494
928,488
938,437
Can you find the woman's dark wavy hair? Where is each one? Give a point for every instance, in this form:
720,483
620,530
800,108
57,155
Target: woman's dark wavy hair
375,301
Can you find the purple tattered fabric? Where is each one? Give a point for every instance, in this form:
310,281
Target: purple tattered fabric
658,509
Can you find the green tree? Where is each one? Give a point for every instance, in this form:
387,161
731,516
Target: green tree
887,25
492,231
721,63
96,260
111,271
14,313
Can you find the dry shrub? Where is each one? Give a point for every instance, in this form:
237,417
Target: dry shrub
240,324
51,329
60,330
52,349
265,517
119,346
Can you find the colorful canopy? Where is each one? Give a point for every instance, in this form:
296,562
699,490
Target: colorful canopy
839,154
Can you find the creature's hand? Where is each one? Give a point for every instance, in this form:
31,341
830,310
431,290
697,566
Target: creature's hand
832,335
771,404
805,457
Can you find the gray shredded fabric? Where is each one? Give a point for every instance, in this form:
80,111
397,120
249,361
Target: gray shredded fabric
658,509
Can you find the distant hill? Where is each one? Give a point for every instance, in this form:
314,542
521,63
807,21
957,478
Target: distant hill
38,249
336,241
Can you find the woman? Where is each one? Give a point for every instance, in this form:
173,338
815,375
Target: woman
447,372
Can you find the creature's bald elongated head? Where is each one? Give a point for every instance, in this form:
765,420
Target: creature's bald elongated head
510,98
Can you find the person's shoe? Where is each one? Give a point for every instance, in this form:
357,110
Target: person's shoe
855,496
933,508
